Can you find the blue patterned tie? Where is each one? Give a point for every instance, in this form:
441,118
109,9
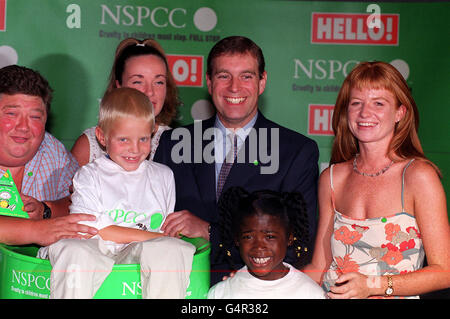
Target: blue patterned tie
226,167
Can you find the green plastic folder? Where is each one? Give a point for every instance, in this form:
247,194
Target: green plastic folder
10,202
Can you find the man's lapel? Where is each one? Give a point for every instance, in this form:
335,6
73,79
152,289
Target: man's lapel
205,172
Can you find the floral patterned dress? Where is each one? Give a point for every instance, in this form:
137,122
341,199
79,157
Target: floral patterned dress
387,245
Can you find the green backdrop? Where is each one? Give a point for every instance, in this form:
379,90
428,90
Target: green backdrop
309,47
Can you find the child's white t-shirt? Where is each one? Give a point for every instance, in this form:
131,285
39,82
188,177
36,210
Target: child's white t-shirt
243,285
139,199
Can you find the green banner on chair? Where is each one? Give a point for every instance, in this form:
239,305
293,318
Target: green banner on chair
10,202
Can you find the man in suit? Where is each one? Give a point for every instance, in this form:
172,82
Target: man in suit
268,156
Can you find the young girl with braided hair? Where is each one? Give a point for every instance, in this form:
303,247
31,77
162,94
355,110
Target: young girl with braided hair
262,224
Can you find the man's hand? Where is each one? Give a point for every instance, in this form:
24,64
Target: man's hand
32,206
185,223
35,208
49,231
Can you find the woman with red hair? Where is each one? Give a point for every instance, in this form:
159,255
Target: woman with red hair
381,203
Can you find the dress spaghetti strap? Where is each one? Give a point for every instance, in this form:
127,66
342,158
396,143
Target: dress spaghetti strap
332,187
403,183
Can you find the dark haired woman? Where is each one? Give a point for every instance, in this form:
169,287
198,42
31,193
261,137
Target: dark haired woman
141,65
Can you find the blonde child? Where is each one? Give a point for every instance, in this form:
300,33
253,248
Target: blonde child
130,196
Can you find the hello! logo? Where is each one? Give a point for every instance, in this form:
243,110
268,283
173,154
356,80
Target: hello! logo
187,70
320,119
2,15
355,28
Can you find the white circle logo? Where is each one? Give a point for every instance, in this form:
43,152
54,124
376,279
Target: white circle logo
202,110
401,67
205,19
8,56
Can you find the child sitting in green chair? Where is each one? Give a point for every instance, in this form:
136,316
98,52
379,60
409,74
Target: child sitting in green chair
130,196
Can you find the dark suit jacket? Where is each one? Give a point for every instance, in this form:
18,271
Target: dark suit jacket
195,182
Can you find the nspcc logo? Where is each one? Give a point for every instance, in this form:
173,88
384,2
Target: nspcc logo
204,19
354,28
186,69
2,15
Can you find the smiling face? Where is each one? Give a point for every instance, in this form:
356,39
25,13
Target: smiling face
148,74
372,115
235,85
263,241
128,141
22,128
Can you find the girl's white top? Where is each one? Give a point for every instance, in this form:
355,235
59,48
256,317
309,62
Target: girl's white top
243,285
